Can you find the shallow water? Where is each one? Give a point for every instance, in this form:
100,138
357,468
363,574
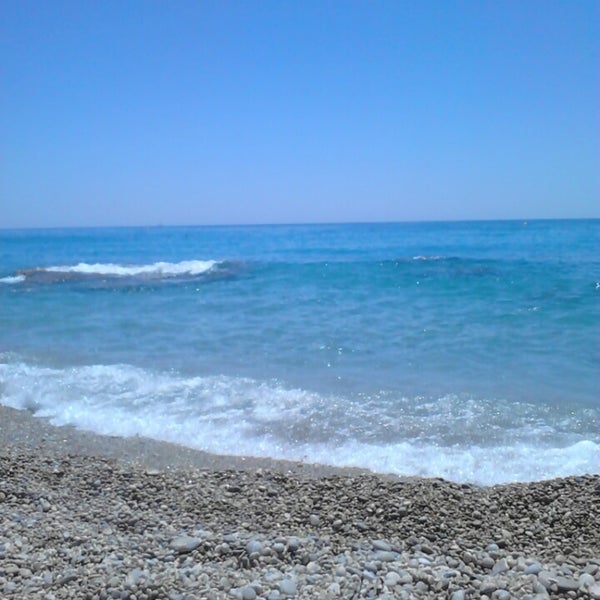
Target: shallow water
463,350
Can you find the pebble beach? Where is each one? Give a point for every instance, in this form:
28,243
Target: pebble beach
86,516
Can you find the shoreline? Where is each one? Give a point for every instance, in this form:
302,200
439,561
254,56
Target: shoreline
95,517
21,431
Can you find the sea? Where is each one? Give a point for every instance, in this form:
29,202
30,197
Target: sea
463,350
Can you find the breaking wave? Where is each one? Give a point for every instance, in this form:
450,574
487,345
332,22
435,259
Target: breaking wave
243,416
90,271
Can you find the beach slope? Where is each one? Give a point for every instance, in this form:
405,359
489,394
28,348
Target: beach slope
85,516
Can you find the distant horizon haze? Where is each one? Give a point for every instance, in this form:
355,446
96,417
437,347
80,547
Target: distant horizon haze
525,221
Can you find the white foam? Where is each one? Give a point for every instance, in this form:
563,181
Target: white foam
476,464
13,279
164,269
240,416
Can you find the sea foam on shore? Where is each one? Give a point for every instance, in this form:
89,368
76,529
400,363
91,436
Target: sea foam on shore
457,438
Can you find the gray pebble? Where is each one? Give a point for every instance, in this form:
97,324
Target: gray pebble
288,587
404,577
334,589
391,579
594,591
248,593
488,586
566,584
385,556
546,578
382,545
254,546
532,569
123,539
185,543
500,566
279,547
585,581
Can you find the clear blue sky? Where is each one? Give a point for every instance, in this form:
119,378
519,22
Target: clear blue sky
145,113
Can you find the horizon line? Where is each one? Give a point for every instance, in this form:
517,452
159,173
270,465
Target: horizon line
295,224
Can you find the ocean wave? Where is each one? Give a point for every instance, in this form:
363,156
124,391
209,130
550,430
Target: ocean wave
13,279
242,416
82,270
162,269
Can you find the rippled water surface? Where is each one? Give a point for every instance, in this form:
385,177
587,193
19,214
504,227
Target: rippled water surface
463,350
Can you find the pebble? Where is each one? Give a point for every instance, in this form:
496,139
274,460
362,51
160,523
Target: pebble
123,537
185,543
391,579
592,568
254,547
385,556
382,545
532,569
500,566
406,577
248,593
288,587
566,584
488,587
585,581
547,578
279,548
334,589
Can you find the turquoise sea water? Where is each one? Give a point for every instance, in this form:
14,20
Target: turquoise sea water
463,350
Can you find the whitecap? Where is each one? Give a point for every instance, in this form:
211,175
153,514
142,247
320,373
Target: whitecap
161,269
13,279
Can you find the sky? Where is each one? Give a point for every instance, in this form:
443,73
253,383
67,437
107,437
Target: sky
218,112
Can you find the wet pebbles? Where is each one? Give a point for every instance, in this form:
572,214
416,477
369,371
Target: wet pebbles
90,527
